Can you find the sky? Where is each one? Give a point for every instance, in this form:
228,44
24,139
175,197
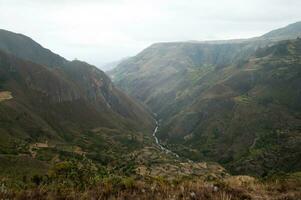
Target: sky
102,31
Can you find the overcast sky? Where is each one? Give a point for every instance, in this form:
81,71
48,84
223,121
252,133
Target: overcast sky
100,31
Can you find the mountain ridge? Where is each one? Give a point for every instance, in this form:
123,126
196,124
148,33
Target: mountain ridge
24,47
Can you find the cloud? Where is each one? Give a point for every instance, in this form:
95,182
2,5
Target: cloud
100,31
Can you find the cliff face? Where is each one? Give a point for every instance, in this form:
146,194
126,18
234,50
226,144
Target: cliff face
163,70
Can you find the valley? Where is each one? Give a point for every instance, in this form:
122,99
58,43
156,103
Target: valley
180,120
218,100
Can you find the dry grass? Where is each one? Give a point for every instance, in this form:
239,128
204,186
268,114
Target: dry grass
234,188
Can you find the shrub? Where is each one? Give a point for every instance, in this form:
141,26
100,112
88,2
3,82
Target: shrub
74,174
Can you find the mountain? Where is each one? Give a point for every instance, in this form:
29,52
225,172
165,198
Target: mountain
52,109
55,111
158,64
66,131
157,73
288,32
218,100
249,118
24,47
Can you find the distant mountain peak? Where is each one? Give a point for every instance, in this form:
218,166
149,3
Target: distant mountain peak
26,48
290,31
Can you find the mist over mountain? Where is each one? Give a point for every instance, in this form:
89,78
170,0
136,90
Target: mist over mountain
111,65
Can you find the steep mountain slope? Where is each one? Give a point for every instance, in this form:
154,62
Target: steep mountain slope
249,119
177,80
68,108
156,74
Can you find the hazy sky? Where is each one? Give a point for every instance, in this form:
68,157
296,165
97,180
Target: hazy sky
100,31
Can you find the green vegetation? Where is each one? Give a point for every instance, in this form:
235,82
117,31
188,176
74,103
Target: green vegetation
66,132
225,101
55,112
251,114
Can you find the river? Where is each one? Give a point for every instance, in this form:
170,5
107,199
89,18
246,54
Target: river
160,145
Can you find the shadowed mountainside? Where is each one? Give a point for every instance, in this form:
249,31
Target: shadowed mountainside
52,108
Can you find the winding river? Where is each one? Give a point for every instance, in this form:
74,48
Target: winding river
160,145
